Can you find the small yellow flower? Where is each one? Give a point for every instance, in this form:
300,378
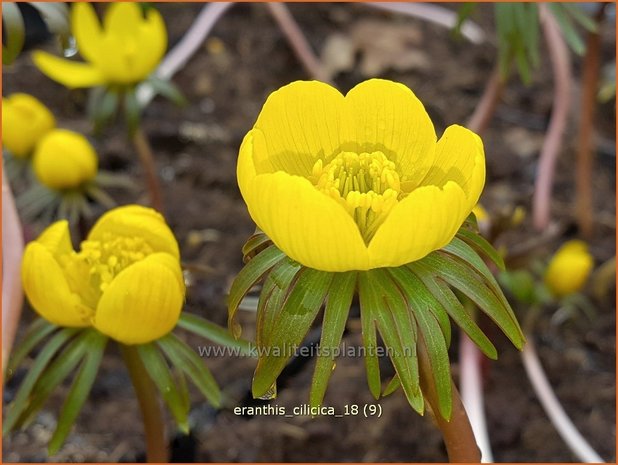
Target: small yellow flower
357,182
25,120
64,160
125,280
122,51
569,268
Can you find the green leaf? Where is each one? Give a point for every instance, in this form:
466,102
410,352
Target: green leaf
567,28
247,278
480,244
160,373
253,244
215,333
414,291
132,110
392,386
370,337
398,330
443,294
79,392
290,327
184,358
335,316
580,16
20,403
37,331
105,108
56,373
168,90
13,32
479,289
463,13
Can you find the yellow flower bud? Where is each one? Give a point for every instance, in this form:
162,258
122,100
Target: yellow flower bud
64,160
125,280
569,268
25,120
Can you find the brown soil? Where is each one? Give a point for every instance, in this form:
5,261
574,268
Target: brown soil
196,150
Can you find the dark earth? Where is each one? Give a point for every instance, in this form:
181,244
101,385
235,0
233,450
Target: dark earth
226,83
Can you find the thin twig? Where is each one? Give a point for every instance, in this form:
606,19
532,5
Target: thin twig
561,67
585,153
146,392
471,385
563,424
188,45
434,14
485,108
142,147
12,250
298,41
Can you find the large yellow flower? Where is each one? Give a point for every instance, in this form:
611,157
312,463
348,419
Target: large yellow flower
122,51
126,280
25,120
569,268
357,182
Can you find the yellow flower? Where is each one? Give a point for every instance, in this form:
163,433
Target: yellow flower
125,280
64,160
122,51
357,182
569,268
25,120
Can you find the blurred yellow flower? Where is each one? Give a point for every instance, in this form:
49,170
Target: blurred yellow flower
569,268
125,280
25,120
64,160
122,51
357,182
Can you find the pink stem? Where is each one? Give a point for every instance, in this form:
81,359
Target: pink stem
298,41
12,251
484,110
561,66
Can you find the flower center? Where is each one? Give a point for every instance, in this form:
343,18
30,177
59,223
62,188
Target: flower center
366,184
94,267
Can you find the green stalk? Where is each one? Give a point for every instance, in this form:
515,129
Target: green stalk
457,433
146,392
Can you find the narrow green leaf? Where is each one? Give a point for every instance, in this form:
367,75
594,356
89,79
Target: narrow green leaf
370,337
79,392
14,32
532,35
440,290
414,291
215,333
580,16
168,90
37,331
291,326
20,403
472,284
160,373
335,316
567,28
132,110
480,244
106,108
247,278
56,373
183,357
398,330
392,386
253,244
463,13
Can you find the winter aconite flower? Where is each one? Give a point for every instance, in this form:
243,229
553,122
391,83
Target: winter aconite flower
360,181
64,160
122,51
25,120
125,280
569,268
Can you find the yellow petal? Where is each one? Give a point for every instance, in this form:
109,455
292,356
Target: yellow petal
64,160
143,302
122,19
48,290
307,225
300,122
57,238
68,73
152,41
460,158
386,116
424,221
86,28
137,221
25,120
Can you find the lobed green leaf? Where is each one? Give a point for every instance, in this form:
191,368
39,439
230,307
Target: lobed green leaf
480,244
215,333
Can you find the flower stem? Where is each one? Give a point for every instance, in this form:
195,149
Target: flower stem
457,433
146,392
144,151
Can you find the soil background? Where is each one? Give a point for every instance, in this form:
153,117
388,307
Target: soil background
196,147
